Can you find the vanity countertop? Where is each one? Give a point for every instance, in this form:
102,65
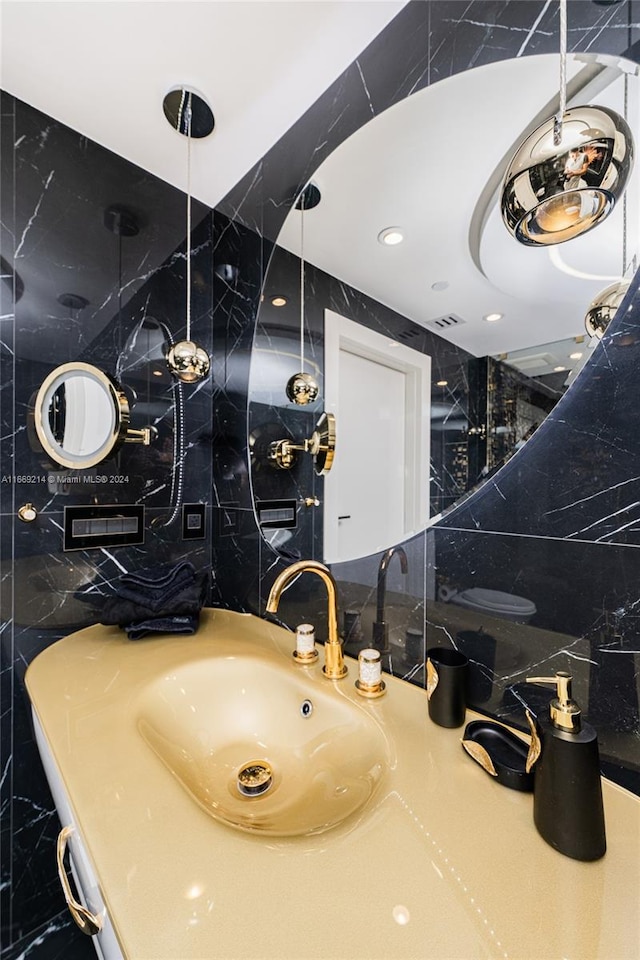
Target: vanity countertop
442,863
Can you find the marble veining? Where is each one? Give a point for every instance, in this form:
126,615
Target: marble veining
562,536
58,939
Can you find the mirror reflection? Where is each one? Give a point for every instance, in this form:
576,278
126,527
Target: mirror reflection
82,416
75,404
408,242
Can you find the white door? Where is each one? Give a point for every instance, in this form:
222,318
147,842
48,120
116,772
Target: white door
376,493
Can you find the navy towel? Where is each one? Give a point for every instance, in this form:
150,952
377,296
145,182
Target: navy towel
171,595
154,587
175,624
186,601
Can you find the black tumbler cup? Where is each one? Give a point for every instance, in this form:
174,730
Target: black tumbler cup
446,686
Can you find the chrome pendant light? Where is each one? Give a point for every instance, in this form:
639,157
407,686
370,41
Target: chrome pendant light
302,388
567,175
603,307
190,115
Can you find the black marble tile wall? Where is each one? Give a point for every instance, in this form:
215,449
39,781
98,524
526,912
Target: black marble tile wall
240,255
76,286
58,939
584,483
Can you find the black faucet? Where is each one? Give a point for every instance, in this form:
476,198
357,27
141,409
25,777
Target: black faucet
381,627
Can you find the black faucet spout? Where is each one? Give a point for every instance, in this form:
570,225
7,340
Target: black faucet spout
381,627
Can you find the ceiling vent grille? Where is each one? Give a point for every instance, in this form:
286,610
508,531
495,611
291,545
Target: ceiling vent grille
445,323
410,334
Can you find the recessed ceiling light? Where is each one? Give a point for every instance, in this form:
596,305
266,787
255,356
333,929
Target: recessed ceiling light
440,285
278,301
492,317
559,369
441,383
390,236
575,356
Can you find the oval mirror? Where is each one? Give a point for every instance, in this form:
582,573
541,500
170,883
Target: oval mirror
81,416
467,339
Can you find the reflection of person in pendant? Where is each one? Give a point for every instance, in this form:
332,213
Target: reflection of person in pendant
577,163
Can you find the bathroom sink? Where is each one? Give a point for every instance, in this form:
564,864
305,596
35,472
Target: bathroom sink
262,747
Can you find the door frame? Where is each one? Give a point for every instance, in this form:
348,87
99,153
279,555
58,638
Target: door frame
341,333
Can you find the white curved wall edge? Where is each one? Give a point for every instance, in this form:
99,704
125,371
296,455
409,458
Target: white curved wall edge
105,942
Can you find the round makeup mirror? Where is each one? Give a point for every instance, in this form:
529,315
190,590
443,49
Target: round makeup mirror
82,416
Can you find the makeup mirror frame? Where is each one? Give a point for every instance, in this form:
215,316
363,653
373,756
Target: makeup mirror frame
119,432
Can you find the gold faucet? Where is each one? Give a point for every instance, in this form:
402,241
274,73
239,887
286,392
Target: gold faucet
334,665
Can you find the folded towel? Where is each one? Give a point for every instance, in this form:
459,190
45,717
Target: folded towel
122,612
159,577
179,591
180,625
185,602
154,587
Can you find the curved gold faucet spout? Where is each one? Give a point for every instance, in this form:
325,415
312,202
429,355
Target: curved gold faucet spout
334,666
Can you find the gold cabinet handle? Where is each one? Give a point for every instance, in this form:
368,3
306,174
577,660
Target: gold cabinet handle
88,922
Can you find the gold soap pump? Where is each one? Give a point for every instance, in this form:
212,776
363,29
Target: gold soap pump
563,710
567,787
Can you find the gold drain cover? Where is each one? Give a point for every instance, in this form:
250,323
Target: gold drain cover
254,778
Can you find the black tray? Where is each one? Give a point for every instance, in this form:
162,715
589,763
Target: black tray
499,752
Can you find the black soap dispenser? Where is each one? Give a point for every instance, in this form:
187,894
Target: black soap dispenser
567,788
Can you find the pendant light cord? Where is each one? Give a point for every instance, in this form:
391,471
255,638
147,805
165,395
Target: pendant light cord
624,199
625,251
302,198
188,114
557,125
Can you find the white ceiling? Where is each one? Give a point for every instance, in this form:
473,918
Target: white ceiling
423,166
103,67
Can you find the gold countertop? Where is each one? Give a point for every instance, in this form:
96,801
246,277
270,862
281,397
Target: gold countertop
442,863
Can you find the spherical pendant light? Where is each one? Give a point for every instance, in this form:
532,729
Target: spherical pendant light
552,193
603,307
302,388
188,361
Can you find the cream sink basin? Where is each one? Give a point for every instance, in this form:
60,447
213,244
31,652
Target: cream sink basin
146,739
261,746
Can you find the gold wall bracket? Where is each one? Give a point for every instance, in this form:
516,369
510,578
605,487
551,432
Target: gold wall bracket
144,435
321,445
